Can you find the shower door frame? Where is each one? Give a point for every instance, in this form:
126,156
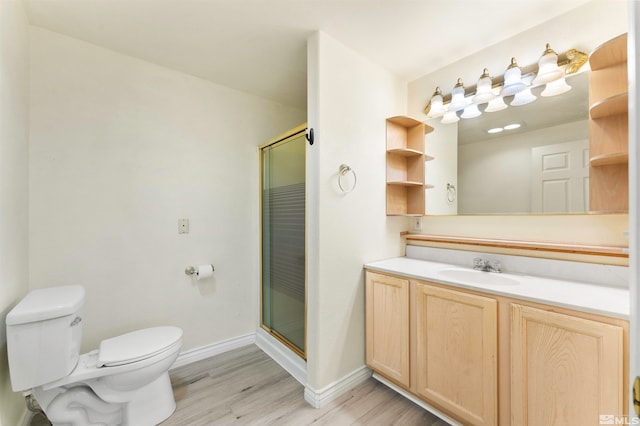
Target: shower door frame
280,140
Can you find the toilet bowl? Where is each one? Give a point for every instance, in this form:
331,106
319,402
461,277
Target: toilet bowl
124,382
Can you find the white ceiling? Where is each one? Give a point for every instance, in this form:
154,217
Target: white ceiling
259,46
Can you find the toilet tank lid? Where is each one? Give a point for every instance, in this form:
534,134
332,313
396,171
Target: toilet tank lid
47,303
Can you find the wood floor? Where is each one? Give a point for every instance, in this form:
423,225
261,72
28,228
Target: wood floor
246,387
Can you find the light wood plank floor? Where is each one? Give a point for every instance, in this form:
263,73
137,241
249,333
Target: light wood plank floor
246,387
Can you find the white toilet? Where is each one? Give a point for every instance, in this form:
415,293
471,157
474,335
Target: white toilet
124,382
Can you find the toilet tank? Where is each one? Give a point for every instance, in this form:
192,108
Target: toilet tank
44,331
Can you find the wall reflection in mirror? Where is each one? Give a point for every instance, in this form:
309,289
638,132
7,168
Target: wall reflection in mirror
504,158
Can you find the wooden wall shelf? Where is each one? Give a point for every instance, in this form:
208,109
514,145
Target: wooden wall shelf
405,166
611,52
610,159
608,127
615,104
406,183
405,152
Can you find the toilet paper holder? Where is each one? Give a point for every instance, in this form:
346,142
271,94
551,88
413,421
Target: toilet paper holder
192,270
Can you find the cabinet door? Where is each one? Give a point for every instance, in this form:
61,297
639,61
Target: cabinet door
387,327
564,370
457,353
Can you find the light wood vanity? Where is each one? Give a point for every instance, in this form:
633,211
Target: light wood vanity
487,359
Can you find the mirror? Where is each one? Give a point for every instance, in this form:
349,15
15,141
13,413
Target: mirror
504,173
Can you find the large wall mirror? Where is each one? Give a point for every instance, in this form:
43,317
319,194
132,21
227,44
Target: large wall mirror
542,144
492,174
479,173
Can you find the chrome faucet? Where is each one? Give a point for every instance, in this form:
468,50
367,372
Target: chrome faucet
486,265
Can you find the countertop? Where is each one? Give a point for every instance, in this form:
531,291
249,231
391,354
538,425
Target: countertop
597,299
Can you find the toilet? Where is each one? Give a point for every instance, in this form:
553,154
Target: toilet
124,382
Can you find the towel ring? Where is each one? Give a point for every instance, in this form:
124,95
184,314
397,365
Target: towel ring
344,170
451,193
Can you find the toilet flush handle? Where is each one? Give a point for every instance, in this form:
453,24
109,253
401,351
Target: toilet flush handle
76,321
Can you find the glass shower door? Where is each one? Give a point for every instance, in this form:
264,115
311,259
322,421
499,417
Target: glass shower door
283,240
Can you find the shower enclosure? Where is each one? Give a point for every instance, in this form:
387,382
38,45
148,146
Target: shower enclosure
283,305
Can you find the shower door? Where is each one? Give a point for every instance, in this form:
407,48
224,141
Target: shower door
283,303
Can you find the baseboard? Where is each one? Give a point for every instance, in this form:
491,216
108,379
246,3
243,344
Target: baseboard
284,356
319,398
417,401
207,351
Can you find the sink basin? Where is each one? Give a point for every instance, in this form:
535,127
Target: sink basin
477,277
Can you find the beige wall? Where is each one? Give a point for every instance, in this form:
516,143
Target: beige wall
120,150
584,28
14,184
349,100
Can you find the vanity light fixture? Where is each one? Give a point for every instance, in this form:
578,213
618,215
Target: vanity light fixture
471,111
458,101
496,104
548,69
496,130
437,107
450,117
523,98
484,91
556,87
513,80
516,82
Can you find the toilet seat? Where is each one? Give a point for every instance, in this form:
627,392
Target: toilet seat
87,368
137,345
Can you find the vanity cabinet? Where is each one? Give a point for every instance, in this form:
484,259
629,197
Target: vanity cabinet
387,326
456,352
564,369
405,166
608,127
486,359
436,343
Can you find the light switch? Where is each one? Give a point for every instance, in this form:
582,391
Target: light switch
183,226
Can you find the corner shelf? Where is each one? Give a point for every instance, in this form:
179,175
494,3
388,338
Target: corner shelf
405,152
405,166
608,128
616,104
613,51
406,183
609,159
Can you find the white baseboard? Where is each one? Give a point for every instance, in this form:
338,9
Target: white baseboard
319,398
417,401
213,349
284,356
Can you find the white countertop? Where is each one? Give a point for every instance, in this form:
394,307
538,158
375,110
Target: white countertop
597,299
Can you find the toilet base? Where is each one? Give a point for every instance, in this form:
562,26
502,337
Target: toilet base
153,403
80,406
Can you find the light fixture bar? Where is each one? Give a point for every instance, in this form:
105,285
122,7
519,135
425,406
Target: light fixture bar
572,60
